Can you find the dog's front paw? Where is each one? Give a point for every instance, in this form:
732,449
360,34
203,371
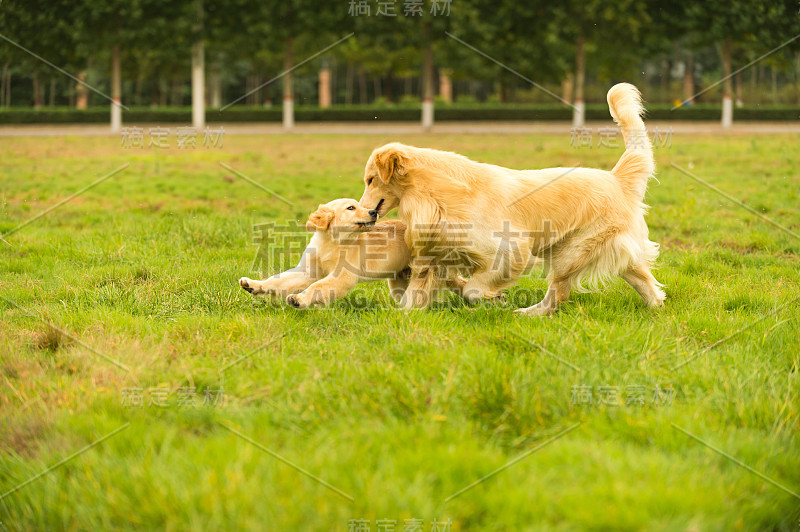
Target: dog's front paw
500,299
475,296
295,301
536,310
246,283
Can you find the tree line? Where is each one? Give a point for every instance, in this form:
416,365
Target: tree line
159,53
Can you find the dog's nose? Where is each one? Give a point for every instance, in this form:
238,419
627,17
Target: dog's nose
373,213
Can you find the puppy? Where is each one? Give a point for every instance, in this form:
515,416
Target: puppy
585,224
348,247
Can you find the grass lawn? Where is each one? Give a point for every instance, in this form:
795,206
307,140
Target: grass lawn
121,312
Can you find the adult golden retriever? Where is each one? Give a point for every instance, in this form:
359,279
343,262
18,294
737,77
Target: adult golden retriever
348,247
587,225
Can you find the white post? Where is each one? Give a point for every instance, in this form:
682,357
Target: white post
116,91
199,75
288,112
198,86
427,81
578,114
288,89
727,111
427,114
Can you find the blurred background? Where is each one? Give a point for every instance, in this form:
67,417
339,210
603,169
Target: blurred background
368,59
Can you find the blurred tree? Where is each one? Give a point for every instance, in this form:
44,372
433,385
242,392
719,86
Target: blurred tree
397,35
517,35
42,28
593,24
126,27
737,24
300,28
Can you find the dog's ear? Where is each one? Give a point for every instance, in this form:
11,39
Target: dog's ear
320,220
390,160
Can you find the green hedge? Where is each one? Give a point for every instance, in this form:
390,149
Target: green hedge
510,112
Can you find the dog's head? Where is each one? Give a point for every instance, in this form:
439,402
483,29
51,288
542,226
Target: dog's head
385,177
342,216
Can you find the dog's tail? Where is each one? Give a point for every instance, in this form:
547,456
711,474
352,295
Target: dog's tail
636,166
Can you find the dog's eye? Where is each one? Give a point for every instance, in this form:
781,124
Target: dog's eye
370,181
351,208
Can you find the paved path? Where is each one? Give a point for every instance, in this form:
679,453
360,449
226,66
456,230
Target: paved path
384,128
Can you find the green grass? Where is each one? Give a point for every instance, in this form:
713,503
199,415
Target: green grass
397,410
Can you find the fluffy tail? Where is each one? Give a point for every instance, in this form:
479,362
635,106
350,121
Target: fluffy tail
636,166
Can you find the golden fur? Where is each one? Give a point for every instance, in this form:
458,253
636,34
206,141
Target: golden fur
587,225
348,247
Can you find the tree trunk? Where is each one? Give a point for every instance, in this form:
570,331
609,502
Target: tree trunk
37,91
198,81
288,92
427,80
3,85
738,82
446,85
774,84
567,87
665,71
578,113
81,92
154,94
199,72
727,95
116,90
163,91
137,91
249,88
376,84
325,86
759,68
688,80
408,87
797,77
503,91
215,85
176,98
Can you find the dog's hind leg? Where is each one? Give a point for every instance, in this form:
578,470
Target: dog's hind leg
642,280
557,293
570,260
399,284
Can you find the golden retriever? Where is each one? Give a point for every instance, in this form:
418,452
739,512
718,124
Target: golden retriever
585,224
348,247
